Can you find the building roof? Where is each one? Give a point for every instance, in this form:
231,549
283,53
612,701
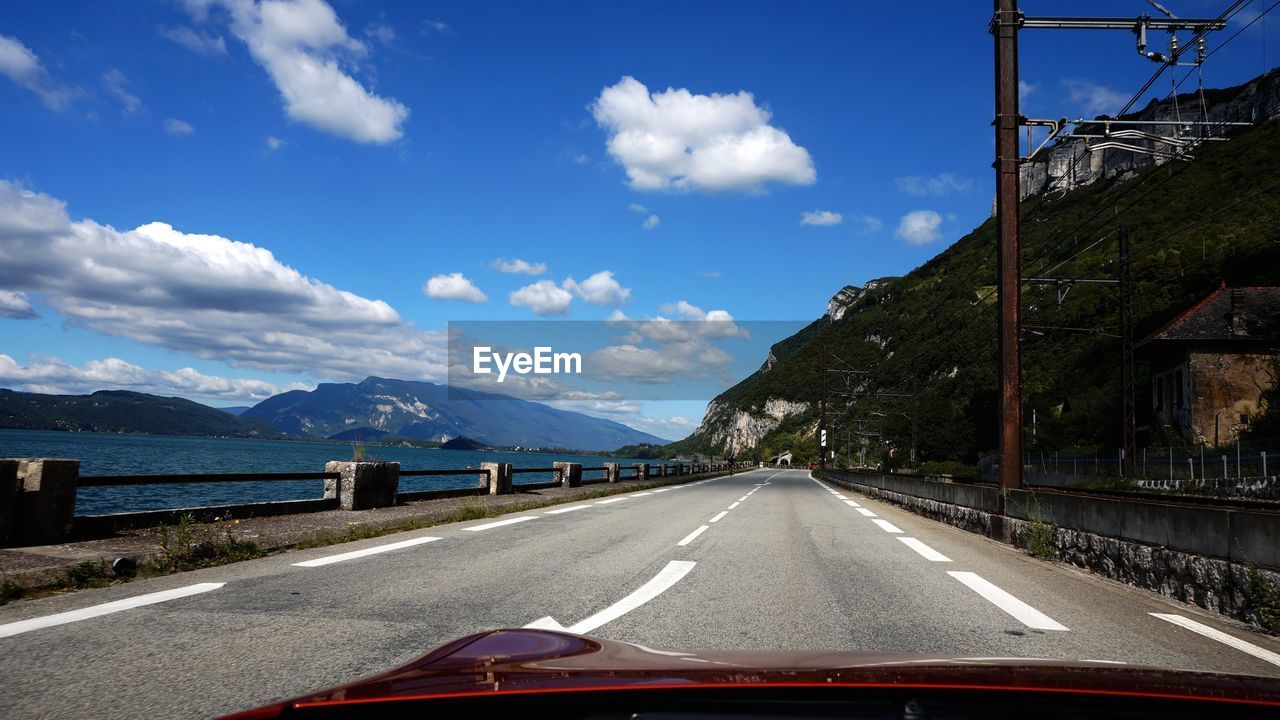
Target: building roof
1227,314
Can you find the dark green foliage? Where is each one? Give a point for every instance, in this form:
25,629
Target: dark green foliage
88,575
1192,226
121,411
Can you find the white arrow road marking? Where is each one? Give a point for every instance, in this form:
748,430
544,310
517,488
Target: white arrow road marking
365,552
925,551
502,523
663,581
23,626
1025,614
1235,642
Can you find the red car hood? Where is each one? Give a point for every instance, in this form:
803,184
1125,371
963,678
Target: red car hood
528,661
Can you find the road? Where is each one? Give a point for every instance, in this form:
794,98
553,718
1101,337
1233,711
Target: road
761,560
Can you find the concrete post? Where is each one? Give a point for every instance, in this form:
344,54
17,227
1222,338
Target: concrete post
499,477
611,472
45,494
8,493
570,473
363,485
642,471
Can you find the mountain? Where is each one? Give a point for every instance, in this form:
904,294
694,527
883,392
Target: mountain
360,434
122,411
425,411
236,410
925,344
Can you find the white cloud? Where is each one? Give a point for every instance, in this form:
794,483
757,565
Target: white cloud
453,286
713,323
941,184
15,305
821,217
599,289
197,42
20,65
637,208
174,126
1091,99
1025,89
301,44
381,31
866,224
275,143
713,274
651,222
516,266
920,227
543,298
435,26
206,295
52,375
675,139
116,83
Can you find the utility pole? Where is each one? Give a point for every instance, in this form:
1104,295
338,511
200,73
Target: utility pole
1128,380
1005,26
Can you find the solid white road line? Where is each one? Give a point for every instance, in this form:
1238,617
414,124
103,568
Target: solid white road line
887,526
734,505
501,523
670,575
16,628
691,536
331,559
719,515
1212,634
1023,612
641,494
851,503
925,551
865,512
568,509
612,500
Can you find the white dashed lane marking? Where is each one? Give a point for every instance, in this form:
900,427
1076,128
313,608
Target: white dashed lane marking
693,535
329,560
17,628
925,551
502,523
1021,611
1225,639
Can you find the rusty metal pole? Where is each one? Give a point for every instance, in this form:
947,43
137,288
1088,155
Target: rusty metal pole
1009,282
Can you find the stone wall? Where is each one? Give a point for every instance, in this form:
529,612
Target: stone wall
1219,584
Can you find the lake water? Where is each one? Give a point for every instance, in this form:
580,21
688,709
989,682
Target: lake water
111,454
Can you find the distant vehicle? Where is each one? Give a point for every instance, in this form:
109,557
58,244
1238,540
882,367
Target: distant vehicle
541,673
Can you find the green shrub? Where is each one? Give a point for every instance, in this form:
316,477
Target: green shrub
88,574
1040,540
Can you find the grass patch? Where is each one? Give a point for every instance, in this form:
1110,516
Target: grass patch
88,574
1262,600
10,591
1040,537
186,546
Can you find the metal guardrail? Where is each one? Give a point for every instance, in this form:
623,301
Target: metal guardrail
175,479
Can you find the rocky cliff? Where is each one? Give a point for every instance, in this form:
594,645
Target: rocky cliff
1075,161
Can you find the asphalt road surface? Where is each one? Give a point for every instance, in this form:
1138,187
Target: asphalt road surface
760,560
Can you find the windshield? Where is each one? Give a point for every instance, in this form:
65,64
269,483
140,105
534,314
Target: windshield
333,332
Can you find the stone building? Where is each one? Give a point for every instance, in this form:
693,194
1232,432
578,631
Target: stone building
1210,364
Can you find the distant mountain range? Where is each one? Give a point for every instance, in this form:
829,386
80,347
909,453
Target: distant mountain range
367,411
427,411
124,411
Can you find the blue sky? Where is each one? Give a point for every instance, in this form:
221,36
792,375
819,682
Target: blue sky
370,147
